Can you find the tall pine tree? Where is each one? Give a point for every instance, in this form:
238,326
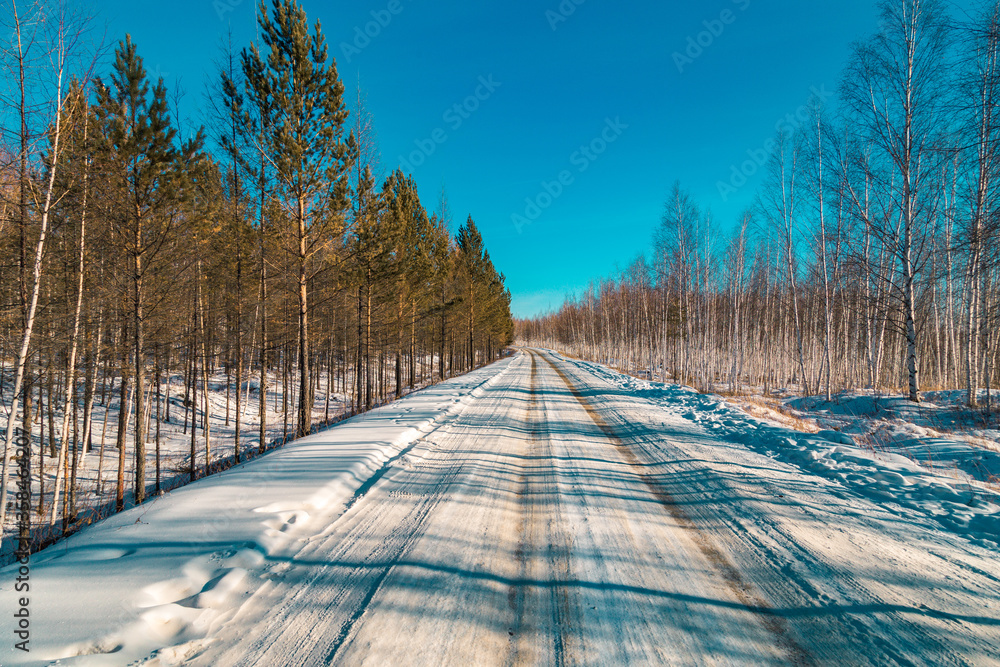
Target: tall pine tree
305,142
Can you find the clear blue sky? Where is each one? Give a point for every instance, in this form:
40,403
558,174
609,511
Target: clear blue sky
606,78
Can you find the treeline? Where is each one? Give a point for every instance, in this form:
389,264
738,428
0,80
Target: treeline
870,258
267,249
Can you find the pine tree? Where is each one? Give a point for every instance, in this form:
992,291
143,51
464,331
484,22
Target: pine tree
473,261
305,142
147,174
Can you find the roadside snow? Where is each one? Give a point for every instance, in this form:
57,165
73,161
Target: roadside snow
940,477
161,576
97,469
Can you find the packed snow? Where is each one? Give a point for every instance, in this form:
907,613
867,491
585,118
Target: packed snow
539,510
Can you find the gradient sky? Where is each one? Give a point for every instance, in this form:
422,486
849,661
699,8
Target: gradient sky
605,77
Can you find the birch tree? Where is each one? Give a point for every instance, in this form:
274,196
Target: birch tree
895,90
61,43
980,84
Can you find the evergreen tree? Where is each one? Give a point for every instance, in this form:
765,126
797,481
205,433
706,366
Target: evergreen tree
305,142
474,262
139,280
146,177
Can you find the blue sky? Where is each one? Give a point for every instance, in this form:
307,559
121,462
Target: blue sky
571,126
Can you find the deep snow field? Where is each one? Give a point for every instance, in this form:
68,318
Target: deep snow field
97,472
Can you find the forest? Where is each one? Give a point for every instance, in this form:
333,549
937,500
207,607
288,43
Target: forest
151,269
869,260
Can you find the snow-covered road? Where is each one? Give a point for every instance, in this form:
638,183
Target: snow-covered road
535,512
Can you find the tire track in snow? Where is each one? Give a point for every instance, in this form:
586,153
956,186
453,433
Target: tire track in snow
542,544
525,530
402,538
799,590
737,584
410,530
313,617
567,639
796,584
342,575
789,589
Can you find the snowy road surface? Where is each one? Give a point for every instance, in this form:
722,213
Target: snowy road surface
533,512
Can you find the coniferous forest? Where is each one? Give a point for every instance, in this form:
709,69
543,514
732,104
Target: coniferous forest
870,259
260,272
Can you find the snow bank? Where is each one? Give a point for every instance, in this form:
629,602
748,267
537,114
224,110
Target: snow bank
940,432
158,578
891,479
